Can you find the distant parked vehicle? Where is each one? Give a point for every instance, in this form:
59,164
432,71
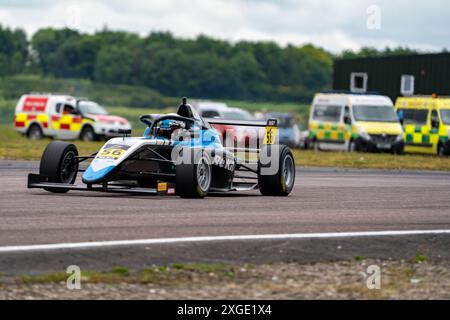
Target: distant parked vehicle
210,109
65,117
229,133
221,111
288,131
354,122
305,140
426,121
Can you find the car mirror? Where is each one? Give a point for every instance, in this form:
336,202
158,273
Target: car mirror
347,120
435,123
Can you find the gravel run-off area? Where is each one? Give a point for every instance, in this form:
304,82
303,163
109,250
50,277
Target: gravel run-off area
327,280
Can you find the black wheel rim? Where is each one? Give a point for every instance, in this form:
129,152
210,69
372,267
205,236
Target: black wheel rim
69,168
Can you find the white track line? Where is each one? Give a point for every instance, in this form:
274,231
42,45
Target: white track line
100,244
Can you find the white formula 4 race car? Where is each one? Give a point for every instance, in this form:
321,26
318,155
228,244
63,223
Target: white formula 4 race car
179,153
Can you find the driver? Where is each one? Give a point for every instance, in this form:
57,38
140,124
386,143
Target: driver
168,127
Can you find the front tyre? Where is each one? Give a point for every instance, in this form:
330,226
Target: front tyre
194,180
399,150
315,145
282,181
59,164
442,152
352,146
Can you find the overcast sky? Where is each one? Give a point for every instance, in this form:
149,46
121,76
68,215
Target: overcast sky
332,24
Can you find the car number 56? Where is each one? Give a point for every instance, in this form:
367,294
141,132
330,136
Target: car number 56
111,153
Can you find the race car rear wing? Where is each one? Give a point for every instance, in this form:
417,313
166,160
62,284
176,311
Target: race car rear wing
244,123
270,132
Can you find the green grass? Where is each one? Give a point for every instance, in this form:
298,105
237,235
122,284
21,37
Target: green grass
171,274
86,277
14,146
309,158
7,108
216,268
420,257
121,270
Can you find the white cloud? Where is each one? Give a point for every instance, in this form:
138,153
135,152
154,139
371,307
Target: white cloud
335,25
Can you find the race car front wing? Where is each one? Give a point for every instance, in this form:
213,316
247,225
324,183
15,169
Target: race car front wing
36,181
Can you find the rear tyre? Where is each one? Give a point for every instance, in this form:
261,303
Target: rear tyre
441,150
352,146
304,146
400,150
282,182
88,134
35,132
315,145
59,165
194,180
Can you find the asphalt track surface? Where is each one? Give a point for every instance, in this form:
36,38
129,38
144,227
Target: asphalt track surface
323,200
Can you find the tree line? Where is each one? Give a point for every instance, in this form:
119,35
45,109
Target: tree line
201,67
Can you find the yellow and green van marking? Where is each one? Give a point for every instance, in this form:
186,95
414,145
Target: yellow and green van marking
332,131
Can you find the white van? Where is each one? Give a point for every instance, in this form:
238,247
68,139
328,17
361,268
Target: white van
65,117
354,122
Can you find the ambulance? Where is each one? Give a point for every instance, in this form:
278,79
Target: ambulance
66,118
354,122
426,122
